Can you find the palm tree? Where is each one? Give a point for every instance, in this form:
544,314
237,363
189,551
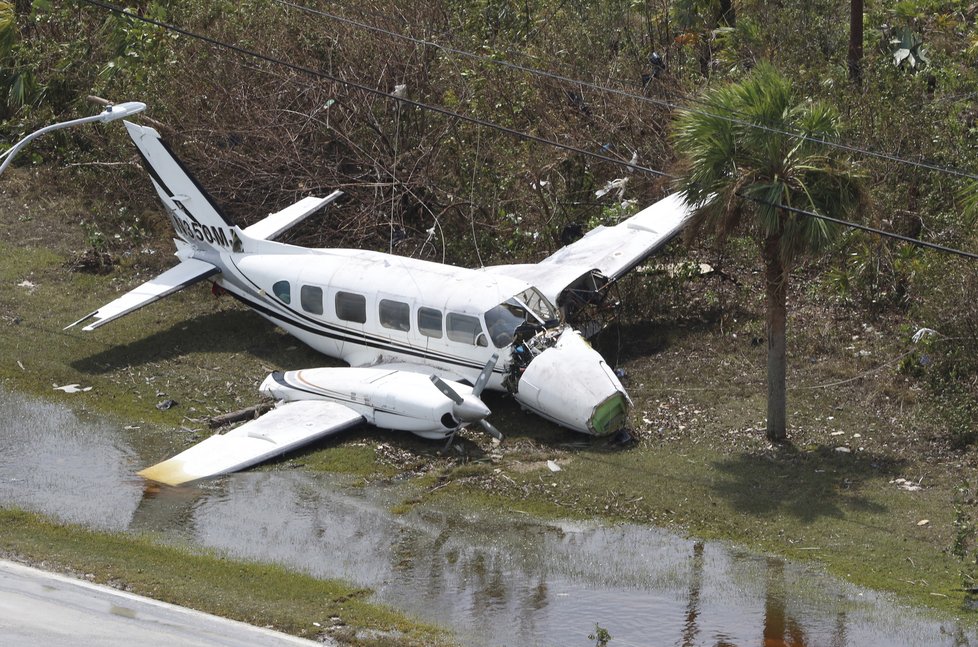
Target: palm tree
744,169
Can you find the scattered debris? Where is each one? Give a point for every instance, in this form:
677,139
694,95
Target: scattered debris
554,467
249,413
617,184
166,404
923,332
21,365
923,522
909,486
27,285
843,450
91,262
623,437
71,388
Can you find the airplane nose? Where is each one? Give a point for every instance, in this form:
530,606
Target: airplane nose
571,384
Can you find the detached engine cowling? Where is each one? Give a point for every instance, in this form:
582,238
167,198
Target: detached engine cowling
571,384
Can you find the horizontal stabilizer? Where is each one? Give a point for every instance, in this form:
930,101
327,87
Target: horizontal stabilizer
186,273
282,429
279,221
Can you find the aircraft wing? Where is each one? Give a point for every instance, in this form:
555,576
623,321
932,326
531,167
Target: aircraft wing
186,273
612,251
445,374
282,429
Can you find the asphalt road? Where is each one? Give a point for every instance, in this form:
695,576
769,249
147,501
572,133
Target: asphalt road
41,608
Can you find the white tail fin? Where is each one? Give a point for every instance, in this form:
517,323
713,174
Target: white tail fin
195,216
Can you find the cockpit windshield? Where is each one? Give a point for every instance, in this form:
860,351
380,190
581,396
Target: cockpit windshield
529,306
538,304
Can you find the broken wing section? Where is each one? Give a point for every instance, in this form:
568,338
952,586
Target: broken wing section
282,429
611,252
188,272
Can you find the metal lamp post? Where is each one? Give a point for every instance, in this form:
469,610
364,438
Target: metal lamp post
111,113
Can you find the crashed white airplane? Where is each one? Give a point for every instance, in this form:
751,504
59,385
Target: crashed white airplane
415,333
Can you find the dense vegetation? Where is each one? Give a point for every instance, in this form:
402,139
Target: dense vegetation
261,134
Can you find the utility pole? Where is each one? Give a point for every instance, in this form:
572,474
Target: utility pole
856,41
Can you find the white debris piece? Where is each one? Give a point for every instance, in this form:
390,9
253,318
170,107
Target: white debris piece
612,185
923,332
554,467
72,388
909,486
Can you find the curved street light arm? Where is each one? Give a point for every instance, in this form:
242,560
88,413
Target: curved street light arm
111,113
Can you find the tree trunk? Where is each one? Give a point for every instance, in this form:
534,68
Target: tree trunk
777,314
856,41
728,15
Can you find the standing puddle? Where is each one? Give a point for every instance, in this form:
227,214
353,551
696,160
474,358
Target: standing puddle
494,580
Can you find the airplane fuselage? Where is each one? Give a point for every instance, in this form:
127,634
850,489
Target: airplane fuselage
369,308
375,309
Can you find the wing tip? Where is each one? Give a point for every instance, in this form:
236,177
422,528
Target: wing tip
169,472
85,318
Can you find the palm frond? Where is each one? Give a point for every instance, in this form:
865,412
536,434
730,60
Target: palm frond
742,174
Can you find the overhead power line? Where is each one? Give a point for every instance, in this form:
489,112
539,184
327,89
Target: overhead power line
872,230
626,94
487,124
374,91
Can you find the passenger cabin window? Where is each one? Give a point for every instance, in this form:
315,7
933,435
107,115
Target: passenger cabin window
429,322
351,307
283,291
395,315
465,329
311,298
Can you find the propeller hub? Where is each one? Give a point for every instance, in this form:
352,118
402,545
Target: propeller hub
470,409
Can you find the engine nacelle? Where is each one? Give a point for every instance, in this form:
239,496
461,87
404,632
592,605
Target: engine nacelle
570,383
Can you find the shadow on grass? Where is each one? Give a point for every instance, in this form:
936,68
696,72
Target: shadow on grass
805,484
217,332
624,342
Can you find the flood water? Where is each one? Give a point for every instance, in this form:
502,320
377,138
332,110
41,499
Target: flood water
494,580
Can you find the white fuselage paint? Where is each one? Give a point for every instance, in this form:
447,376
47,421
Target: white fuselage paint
373,276
569,381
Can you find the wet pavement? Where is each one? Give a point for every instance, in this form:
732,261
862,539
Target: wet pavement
39,608
493,579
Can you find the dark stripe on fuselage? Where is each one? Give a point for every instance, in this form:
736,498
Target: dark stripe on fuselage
343,335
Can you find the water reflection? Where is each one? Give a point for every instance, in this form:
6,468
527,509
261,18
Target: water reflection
494,579
54,463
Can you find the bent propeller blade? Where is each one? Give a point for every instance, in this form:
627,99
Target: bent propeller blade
484,376
448,391
489,429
